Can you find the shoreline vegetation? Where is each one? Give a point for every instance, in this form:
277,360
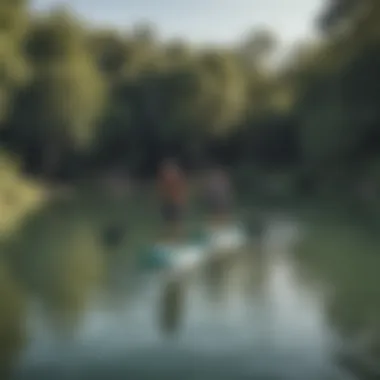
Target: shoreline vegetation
78,100
19,196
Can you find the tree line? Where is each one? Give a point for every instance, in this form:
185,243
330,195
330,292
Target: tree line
77,100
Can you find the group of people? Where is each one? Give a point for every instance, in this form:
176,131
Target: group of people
173,188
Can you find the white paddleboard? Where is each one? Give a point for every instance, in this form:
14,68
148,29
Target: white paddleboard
182,256
227,238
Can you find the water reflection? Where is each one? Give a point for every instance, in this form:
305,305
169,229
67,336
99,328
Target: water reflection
345,259
172,306
12,321
348,263
92,313
59,263
216,280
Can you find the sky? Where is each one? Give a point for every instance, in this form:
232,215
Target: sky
201,21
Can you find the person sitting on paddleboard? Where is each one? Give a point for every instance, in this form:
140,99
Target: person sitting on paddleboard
173,193
218,194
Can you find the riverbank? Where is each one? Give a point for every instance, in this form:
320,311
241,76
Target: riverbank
19,196
255,193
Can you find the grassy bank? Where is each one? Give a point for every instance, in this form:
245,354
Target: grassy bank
19,196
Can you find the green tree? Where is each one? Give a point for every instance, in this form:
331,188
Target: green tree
338,88
63,103
13,68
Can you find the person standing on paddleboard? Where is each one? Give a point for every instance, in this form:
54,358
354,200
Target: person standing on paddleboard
218,195
173,194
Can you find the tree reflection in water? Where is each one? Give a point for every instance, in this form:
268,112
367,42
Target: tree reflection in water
58,260
12,321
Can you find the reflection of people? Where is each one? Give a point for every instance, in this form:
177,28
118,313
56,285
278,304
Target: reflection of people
218,194
171,307
173,194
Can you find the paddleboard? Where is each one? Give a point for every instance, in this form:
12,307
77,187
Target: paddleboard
227,238
213,241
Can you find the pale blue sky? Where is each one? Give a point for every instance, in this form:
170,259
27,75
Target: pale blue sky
201,21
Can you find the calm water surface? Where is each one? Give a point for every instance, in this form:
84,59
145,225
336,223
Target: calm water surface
91,313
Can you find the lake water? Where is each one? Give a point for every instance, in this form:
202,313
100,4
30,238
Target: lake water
273,311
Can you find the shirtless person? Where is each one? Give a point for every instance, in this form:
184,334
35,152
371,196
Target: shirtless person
173,193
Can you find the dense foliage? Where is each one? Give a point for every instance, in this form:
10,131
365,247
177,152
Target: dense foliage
75,100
